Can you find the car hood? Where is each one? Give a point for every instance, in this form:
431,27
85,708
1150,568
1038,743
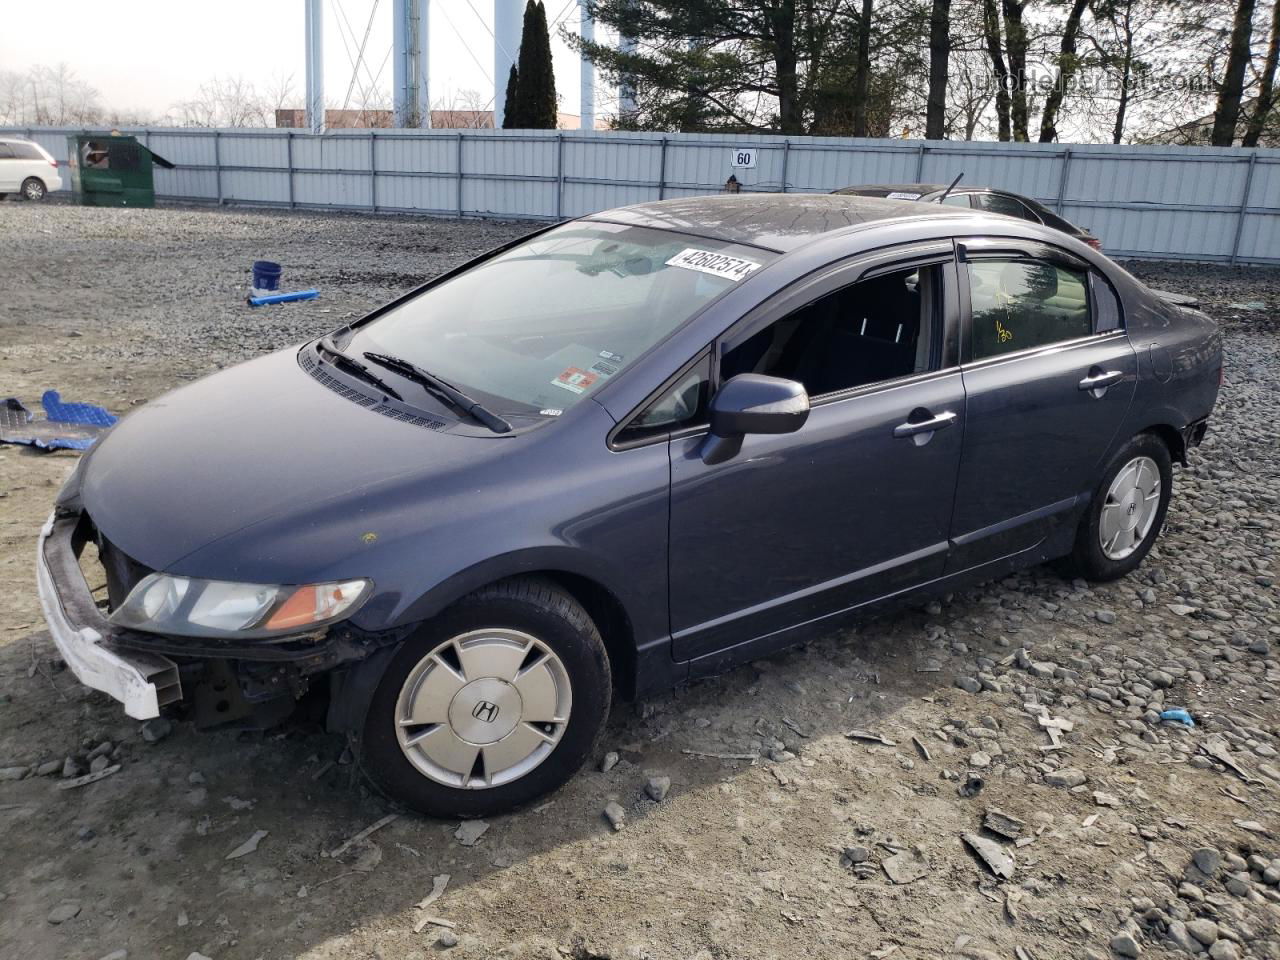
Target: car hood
260,441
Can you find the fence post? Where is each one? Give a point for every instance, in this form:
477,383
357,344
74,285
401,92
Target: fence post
1062,179
217,162
786,155
920,163
662,170
373,171
1244,206
289,160
459,160
559,175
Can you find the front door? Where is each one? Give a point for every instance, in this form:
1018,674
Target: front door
10,167
855,505
1049,374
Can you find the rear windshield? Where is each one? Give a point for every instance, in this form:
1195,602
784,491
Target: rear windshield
539,327
1050,218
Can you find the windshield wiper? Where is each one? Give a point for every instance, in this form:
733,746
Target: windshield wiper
443,389
354,366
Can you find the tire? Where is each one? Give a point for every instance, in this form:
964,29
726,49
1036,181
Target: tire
1130,531
452,678
33,189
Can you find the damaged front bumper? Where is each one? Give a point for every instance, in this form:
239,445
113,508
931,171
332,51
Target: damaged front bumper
142,682
227,680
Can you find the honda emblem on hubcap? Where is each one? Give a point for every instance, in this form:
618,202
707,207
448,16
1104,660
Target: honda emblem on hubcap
485,710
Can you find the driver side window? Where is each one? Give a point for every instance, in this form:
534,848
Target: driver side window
874,330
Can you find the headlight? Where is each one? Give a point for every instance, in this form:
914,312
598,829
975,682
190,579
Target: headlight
161,603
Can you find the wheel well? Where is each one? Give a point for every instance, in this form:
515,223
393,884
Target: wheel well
610,619
1173,439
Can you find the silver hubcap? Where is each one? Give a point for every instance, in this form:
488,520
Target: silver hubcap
1130,508
483,708
33,191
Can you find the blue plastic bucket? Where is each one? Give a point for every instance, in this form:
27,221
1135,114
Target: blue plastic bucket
266,275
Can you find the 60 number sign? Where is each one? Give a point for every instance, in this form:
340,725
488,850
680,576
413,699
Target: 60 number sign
743,158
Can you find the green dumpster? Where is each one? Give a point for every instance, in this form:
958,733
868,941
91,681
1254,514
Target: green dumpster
112,170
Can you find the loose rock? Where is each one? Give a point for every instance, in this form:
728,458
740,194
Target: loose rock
657,788
616,816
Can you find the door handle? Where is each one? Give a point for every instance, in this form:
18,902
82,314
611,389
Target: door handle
917,428
1097,383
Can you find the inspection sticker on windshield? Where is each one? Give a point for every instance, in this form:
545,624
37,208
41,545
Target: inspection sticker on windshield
576,380
716,264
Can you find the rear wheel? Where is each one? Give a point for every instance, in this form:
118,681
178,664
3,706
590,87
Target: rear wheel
495,702
1126,513
33,189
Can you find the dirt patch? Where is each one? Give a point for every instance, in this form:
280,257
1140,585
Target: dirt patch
786,854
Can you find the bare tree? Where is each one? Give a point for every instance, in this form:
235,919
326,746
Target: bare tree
465,109
1266,86
1227,113
939,57
48,96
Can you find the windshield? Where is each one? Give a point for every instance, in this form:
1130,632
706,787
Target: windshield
550,321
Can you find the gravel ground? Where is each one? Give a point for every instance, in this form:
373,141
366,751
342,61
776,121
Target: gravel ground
1133,837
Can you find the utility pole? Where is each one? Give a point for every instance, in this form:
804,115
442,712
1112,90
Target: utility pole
315,65
587,112
411,73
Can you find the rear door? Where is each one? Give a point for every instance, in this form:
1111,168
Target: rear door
854,506
29,162
1049,374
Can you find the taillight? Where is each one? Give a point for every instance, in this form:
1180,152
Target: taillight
54,164
1093,242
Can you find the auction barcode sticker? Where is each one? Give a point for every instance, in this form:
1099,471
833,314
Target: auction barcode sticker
716,264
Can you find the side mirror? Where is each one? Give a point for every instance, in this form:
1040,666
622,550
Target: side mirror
752,403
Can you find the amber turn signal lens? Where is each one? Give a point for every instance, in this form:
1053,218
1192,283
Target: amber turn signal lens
315,603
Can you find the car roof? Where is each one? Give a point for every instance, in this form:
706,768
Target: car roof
775,221
881,189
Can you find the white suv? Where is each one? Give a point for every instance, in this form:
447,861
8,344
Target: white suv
27,169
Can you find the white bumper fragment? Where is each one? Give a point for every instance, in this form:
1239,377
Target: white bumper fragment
129,677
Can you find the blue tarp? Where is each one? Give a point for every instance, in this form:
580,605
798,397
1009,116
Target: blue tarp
66,426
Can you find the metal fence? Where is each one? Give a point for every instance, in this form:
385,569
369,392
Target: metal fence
1156,202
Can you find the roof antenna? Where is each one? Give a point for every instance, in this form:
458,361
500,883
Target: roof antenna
951,187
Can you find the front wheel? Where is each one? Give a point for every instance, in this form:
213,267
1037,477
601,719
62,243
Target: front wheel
33,189
1126,513
495,702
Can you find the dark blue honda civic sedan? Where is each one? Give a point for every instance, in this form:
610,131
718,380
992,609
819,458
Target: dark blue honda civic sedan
615,455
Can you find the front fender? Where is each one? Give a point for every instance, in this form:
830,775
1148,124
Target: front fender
638,594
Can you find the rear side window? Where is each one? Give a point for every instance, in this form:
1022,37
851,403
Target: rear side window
1106,305
26,151
1022,304
6,153
956,200
999,203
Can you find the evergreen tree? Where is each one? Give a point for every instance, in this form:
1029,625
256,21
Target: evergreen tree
536,92
511,105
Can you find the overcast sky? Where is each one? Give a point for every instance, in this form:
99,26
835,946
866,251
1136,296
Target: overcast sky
149,54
